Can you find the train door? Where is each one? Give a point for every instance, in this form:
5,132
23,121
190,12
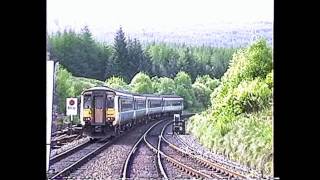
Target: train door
99,107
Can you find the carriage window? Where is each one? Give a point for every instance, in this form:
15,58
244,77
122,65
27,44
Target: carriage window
87,101
177,103
98,102
141,104
155,103
110,102
126,105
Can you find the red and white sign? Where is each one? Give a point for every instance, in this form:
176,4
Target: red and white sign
71,106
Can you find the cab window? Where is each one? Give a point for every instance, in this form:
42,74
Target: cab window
87,101
110,102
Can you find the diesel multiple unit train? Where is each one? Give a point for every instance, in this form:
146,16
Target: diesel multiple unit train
105,111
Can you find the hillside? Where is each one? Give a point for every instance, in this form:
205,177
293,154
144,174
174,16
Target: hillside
238,124
213,34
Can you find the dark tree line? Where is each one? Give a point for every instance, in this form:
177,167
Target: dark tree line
83,56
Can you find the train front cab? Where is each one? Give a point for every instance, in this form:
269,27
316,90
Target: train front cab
98,113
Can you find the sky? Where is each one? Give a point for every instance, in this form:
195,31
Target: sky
159,14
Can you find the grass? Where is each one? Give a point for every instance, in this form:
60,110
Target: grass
249,140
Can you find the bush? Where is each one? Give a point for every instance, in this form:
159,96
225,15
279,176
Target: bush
117,83
251,96
184,89
202,94
208,81
64,88
165,86
239,121
141,83
70,86
269,79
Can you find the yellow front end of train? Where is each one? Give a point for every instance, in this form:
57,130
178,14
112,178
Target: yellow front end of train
98,112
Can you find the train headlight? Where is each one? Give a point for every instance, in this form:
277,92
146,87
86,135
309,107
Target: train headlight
87,119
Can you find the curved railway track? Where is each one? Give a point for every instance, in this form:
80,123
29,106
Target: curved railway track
216,159
193,165
152,153
166,169
141,162
222,161
213,169
128,169
80,161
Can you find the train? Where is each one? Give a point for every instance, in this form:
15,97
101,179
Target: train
106,112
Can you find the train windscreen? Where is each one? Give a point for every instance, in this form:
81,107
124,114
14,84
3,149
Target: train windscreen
110,101
87,101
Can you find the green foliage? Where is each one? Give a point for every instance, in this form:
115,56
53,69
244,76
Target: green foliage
167,60
246,65
203,87
141,83
269,79
202,94
166,86
208,81
70,86
184,88
239,121
79,53
251,96
119,58
255,61
92,82
64,88
117,83
183,79
79,86
83,56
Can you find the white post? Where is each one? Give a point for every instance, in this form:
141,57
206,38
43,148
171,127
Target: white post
50,68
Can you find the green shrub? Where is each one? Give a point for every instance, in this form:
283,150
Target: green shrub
117,83
239,121
141,83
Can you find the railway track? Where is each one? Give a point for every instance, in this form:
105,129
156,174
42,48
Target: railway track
107,164
67,147
68,152
213,158
167,170
141,162
132,166
211,168
65,163
216,159
189,164
152,154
